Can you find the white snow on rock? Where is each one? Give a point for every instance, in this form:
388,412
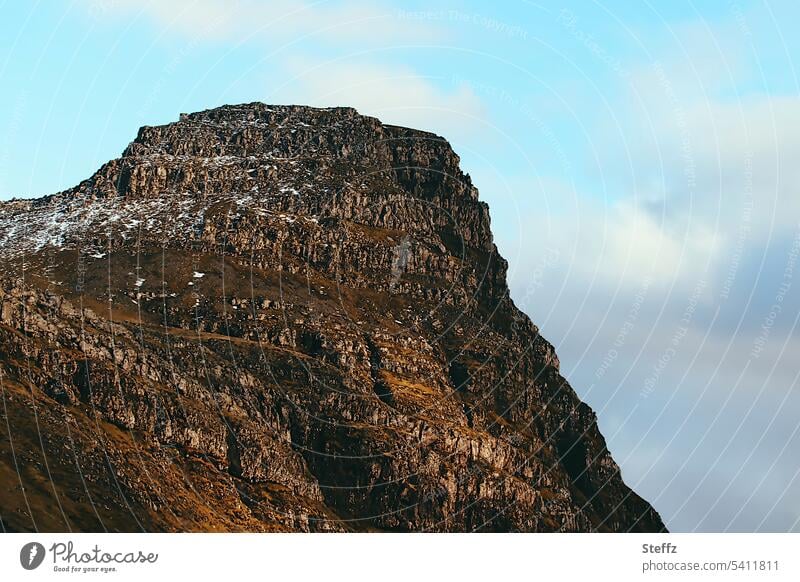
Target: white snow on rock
94,217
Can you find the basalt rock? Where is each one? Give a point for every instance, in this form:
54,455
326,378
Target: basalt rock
283,319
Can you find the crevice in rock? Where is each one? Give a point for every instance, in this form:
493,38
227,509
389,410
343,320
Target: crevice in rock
311,343
459,376
233,454
572,454
379,385
82,382
461,380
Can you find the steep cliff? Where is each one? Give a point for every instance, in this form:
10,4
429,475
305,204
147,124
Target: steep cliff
283,318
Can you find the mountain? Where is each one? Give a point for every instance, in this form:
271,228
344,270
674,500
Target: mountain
282,318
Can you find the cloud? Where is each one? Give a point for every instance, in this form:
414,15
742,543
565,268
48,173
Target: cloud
344,22
702,185
290,28
614,244
705,138
726,162
394,94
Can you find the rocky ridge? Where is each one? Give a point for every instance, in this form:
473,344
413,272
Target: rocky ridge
281,318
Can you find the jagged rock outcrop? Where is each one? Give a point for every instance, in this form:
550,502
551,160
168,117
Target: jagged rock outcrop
283,318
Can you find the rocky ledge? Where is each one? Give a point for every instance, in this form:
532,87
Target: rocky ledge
281,318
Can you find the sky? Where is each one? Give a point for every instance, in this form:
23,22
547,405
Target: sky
640,161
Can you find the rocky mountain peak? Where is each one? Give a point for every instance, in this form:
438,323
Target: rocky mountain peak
283,317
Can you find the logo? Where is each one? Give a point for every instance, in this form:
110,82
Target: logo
31,555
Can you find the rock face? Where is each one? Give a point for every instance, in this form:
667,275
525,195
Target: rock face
284,319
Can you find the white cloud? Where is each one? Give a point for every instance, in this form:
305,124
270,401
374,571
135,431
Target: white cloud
727,162
394,94
361,22
717,155
289,28
620,244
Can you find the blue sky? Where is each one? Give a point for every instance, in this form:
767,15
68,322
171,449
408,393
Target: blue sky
640,164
